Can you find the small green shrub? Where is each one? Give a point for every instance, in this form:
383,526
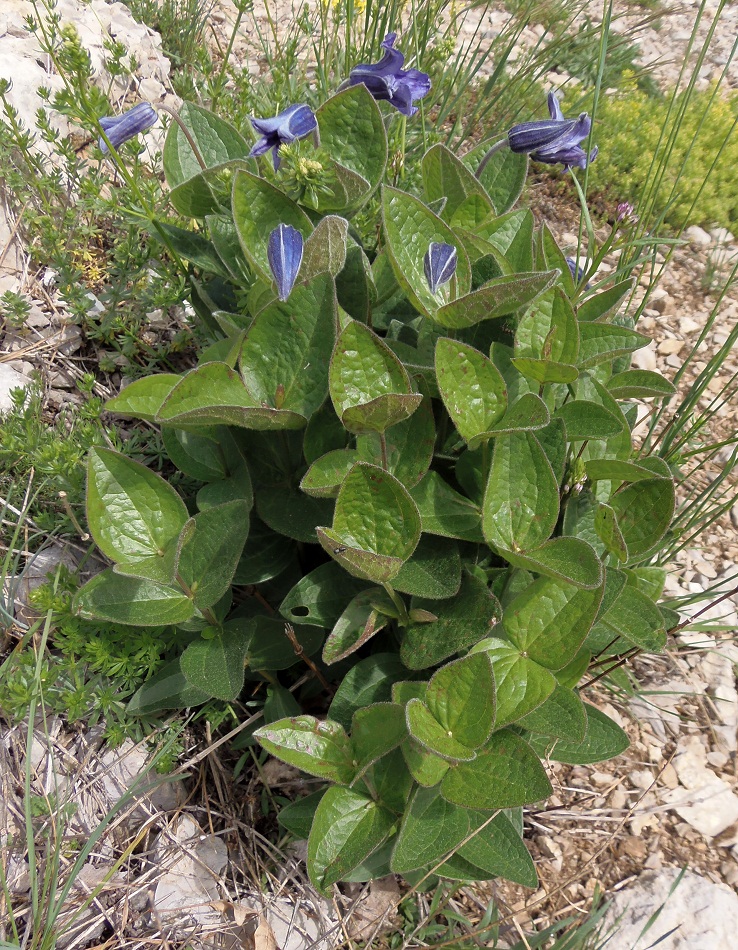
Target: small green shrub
675,146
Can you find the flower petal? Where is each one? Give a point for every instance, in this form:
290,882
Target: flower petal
284,251
439,264
530,136
554,107
122,128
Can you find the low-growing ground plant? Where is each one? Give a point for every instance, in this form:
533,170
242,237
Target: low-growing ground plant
412,439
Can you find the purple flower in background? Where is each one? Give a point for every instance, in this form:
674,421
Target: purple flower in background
439,264
294,123
284,251
121,128
555,140
625,210
387,80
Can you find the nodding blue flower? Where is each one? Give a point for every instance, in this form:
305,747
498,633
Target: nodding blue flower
121,128
293,123
284,251
439,264
577,272
555,140
387,80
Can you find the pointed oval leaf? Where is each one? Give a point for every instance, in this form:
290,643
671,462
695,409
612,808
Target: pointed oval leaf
144,397
346,829
325,476
352,132
603,740
503,176
506,773
410,229
561,716
212,546
356,626
216,139
375,731
549,620
471,387
431,827
549,330
639,384
498,850
444,511
446,176
567,559
285,355
461,621
644,511
601,305
587,420
461,697
499,297
433,571
216,666
409,445
545,371
602,342
521,684
521,502
319,748
426,730
131,600
258,208
368,681
325,249
636,618
134,515
319,597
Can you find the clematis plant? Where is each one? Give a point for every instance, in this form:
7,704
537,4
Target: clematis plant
387,80
293,123
414,527
120,129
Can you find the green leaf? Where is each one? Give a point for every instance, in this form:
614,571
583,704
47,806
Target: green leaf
553,442
269,647
471,386
608,531
426,769
445,176
521,683
375,731
566,559
644,511
191,246
551,255
444,511
503,176
368,681
461,697
639,384
216,139
324,433
635,617
356,626
431,827
167,689
207,192
588,420
499,851
604,740
352,132
549,330
298,816
292,513
325,476
197,454
410,228
561,716
601,305
512,235
214,394
131,600
144,397
549,620
497,298
545,371
376,525
408,445
355,285
425,729
210,551
325,249
319,597
433,571
285,355
319,748
346,829
462,620
528,413
265,555
521,501
616,470
133,514
602,342
216,665
258,208
505,773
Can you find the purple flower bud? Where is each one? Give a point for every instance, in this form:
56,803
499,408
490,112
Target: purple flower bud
293,123
121,128
625,210
555,140
284,251
388,81
440,265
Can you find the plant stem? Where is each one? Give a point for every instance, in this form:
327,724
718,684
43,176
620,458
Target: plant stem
186,132
498,146
383,443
